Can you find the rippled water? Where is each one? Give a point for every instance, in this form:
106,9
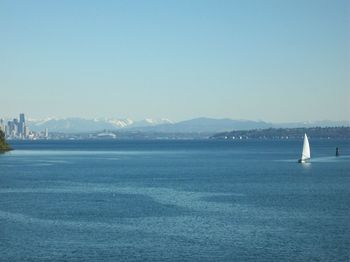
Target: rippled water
174,201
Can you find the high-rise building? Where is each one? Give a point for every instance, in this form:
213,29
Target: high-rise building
9,127
21,125
22,118
26,132
15,129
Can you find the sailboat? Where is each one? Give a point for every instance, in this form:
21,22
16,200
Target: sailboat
305,155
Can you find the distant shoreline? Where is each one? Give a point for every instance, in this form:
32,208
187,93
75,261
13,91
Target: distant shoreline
287,133
252,134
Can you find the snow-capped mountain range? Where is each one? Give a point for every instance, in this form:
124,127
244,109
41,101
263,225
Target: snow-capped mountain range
76,124
197,125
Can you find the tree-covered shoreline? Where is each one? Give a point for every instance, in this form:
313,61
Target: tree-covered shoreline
287,133
3,145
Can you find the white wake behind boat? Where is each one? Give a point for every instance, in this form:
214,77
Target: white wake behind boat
305,155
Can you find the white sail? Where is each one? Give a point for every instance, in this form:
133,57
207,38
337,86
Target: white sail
306,149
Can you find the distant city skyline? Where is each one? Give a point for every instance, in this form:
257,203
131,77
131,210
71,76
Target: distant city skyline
17,128
276,61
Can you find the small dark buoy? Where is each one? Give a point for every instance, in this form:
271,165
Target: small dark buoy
337,151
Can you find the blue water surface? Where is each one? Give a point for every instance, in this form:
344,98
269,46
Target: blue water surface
201,200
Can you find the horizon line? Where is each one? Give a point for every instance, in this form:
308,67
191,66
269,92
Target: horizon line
170,120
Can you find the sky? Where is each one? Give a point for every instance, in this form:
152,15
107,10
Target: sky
271,60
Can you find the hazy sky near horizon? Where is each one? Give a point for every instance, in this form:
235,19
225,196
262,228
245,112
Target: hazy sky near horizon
272,60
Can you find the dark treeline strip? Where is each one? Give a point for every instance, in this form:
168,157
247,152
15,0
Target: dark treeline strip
290,133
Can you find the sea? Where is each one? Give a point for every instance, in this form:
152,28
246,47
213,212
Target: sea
174,200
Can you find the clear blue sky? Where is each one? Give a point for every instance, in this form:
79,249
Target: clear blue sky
278,61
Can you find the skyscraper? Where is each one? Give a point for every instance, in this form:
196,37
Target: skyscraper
26,132
22,118
21,125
